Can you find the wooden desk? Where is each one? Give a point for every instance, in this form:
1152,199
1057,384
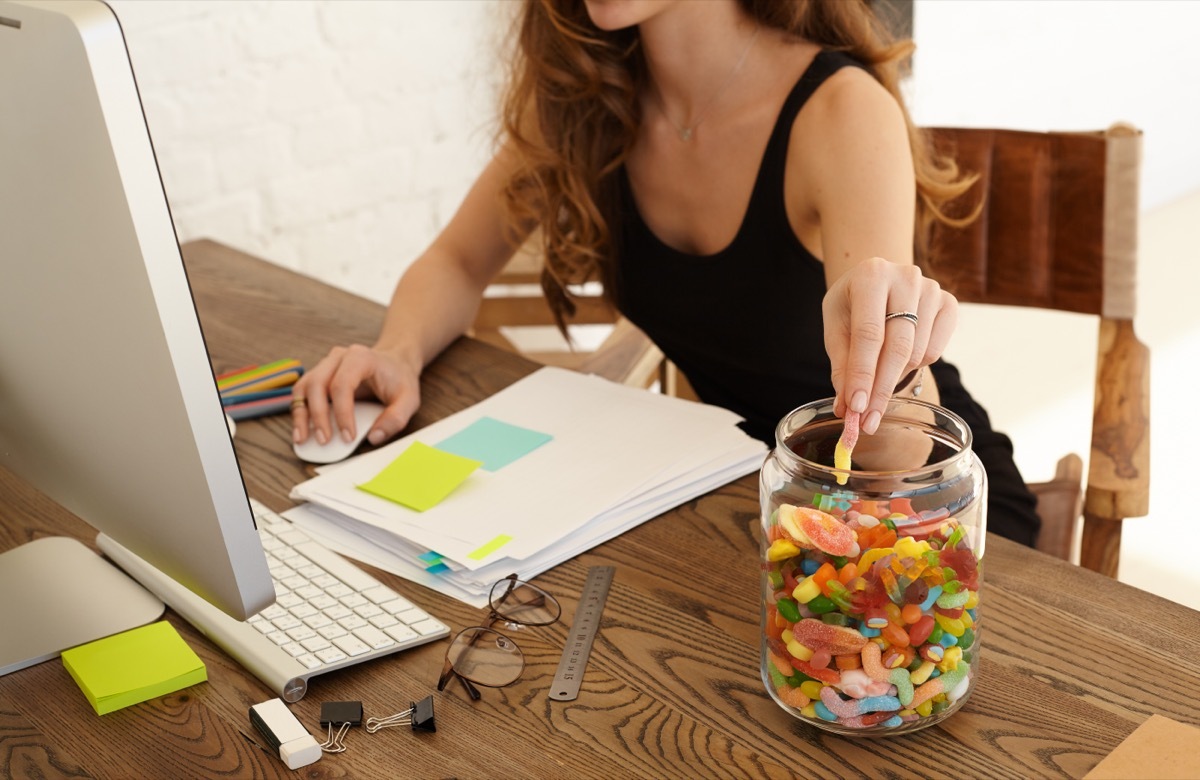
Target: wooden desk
1072,662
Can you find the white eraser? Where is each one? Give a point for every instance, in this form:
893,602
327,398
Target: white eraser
285,733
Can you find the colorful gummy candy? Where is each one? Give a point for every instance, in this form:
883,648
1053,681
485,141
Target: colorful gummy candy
871,614
845,446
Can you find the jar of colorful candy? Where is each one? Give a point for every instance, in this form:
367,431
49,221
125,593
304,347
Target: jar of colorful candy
871,575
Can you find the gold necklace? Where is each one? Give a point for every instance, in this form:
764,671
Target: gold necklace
687,131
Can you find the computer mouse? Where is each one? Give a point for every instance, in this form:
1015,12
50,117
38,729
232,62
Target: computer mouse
311,451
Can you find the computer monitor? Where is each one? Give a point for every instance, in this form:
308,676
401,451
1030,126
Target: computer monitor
108,403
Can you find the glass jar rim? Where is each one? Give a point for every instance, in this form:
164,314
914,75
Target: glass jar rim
963,436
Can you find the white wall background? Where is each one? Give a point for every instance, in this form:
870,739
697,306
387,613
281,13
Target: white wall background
337,137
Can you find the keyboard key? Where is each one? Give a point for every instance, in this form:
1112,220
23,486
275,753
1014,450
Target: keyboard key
352,622
383,620
310,661
331,655
322,601
331,631
286,623
289,600
337,612
278,637
339,590
273,611
351,645
368,611
318,620
427,627
335,564
381,594
398,604
293,649
401,633
375,638
353,600
300,633
315,645
412,615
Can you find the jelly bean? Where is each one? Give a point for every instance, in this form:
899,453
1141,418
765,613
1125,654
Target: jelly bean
811,689
847,572
894,634
806,591
922,672
849,708
968,619
935,593
809,566
824,675
782,549
950,625
967,639
926,709
775,578
836,639
948,640
932,653
799,651
910,614
920,630
972,601
935,636
821,604
898,657
809,712
787,608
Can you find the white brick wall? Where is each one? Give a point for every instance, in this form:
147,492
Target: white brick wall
333,136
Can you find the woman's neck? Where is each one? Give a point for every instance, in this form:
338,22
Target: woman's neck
693,50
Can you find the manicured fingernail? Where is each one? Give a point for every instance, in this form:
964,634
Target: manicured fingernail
872,423
858,402
322,439
347,436
295,435
376,437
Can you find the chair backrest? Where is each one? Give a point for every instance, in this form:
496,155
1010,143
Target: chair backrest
1058,230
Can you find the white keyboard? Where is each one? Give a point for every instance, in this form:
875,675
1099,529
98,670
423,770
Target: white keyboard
328,613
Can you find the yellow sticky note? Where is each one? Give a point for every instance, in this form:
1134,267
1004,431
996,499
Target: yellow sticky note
133,666
421,477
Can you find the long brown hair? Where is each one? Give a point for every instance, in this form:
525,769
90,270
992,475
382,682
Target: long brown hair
571,114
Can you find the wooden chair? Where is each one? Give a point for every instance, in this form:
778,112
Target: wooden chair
1058,231
514,301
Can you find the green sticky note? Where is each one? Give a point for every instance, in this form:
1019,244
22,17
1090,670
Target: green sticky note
495,443
133,666
420,477
489,548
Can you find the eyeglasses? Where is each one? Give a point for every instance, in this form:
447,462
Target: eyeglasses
485,657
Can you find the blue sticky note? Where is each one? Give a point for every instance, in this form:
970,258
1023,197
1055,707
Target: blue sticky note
493,442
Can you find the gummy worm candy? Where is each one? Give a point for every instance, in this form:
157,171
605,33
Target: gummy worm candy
845,446
873,664
854,707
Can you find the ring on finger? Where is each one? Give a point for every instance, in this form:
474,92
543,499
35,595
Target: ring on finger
299,402
911,316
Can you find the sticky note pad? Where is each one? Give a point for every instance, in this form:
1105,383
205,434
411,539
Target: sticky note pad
421,477
133,666
493,442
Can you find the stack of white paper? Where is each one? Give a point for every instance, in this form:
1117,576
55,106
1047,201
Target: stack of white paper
613,457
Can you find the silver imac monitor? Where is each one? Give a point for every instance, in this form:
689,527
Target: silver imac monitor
108,403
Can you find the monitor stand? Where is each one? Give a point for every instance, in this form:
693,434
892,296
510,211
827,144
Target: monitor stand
58,594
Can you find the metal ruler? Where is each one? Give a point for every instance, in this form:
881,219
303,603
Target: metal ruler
584,627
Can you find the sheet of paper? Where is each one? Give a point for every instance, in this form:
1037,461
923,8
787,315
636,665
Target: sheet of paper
133,666
494,442
420,477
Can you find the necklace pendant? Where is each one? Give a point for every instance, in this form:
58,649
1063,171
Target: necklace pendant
685,134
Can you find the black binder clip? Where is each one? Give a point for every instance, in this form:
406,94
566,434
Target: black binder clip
343,715
419,716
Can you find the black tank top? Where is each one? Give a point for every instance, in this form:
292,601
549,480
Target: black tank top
744,325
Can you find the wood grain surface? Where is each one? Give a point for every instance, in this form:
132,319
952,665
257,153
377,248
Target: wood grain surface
1071,661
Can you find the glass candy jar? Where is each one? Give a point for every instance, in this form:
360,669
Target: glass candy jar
871,577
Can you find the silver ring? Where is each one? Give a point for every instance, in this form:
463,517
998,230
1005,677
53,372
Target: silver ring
911,316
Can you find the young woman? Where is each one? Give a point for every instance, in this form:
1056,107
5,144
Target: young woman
743,177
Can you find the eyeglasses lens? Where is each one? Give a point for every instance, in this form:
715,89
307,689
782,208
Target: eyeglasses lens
486,657
520,602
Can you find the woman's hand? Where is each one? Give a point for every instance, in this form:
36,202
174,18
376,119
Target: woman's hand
869,351
324,397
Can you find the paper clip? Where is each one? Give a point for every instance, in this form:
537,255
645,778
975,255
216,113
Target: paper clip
342,714
419,715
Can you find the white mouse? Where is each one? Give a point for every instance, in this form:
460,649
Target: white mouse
311,451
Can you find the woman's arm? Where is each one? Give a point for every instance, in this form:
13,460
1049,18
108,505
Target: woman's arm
434,303
853,179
